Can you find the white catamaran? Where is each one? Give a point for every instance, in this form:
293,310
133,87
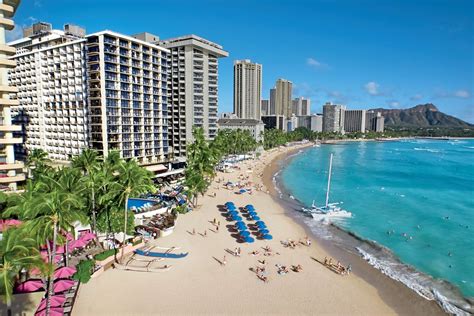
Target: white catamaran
330,209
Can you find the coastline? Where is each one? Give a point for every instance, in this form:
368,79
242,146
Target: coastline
199,285
346,247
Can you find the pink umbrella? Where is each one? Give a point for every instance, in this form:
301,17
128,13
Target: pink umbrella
35,271
44,255
87,237
77,244
56,301
5,223
61,249
64,272
63,285
30,286
54,311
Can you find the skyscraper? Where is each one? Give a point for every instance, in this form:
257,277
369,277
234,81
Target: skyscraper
265,107
283,97
354,121
272,104
10,169
193,88
301,106
333,118
247,89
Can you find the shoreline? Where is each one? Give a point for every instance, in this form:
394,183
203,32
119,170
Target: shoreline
391,291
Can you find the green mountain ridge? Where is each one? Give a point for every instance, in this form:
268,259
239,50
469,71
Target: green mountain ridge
422,115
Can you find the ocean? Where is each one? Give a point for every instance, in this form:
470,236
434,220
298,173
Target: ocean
412,203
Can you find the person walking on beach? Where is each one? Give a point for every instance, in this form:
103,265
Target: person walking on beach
349,269
205,233
224,261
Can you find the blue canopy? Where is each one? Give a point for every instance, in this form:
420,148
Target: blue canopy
242,191
252,213
229,203
244,233
255,218
267,237
231,207
233,213
236,218
240,223
249,239
263,231
259,222
248,206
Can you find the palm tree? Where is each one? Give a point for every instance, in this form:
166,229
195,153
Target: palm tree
17,251
37,159
87,161
132,180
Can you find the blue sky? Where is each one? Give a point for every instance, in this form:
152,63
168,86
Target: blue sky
362,53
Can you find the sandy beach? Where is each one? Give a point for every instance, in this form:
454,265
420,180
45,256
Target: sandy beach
199,284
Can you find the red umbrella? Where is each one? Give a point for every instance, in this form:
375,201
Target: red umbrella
56,301
63,285
64,272
53,311
30,286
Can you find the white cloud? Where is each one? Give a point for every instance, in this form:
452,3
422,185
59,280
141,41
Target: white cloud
372,88
394,104
416,97
464,94
313,62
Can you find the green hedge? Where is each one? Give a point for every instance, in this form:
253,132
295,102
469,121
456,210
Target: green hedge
136,242
84,271
104,255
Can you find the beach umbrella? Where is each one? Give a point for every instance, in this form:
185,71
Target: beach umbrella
249,240
229,203
259,222
255,218
30,286
56,301
242,191
267,237
236,218
240,223
35,271
244,233
63,285
77,244
248,206
231,207
263,231
87,237
64,272
233,213
242,228
53,311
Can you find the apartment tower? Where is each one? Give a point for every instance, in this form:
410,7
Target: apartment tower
10,169
354,121
247,89
283,97
128,97
272,104
193,88
301,107
265,109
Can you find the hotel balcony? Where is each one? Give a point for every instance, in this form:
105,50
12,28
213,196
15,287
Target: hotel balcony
12,166
16,178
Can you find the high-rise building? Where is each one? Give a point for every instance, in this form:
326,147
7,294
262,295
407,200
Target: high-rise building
283,97
128,97
193,88
265,107
272,105
301,106
10,169
255,127
51,78
333,118
247,89
317,123
354,121
374,121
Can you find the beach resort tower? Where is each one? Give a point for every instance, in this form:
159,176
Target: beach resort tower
265,107
283,97
10,169
128,97
272,102
193,88
354,121
301,107
51,78
333,118
247,89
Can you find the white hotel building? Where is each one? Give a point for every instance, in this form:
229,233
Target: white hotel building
51,78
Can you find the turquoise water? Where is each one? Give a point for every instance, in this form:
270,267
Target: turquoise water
423,189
